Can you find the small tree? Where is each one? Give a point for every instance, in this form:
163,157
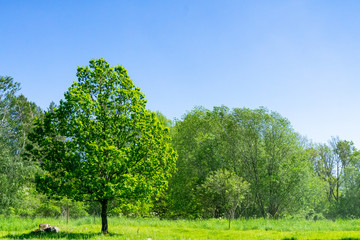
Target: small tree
101,143
225,188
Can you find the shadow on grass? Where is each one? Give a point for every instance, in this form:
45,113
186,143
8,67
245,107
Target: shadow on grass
61,235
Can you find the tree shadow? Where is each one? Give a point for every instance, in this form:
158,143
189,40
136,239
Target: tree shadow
61,235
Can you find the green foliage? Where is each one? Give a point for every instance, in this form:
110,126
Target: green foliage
164,121
131,208
272,160
196,140
257,145
102,147
337,167
16,120
223,192
48,209
101,143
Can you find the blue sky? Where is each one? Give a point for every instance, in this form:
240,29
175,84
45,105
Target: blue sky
299,58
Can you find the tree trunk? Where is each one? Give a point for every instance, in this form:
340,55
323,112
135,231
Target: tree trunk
104,222
229,221
67,213
231,216
337,190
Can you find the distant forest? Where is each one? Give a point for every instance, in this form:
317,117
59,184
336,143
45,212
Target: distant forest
241,163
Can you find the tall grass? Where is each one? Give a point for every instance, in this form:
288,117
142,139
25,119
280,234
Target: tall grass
245,224
154,228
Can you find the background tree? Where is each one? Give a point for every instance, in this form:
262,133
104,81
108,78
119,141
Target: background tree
224,191
16,120
101,143
258,145
196,140
275,162
337,166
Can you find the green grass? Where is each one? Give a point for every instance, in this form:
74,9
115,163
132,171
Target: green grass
156,229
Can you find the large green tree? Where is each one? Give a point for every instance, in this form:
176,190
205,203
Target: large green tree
101,143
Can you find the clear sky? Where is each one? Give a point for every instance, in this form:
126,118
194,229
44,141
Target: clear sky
298,58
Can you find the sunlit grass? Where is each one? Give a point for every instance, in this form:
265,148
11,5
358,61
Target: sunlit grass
144,228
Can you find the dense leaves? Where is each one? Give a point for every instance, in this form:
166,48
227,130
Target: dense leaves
103,149
101,143
16,120
257,145
223,192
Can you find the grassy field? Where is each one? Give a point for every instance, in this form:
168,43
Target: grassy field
126,228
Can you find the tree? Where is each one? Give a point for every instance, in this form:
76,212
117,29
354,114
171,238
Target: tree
331,163
196,140
337,165
226,190
16,120
272,160
101,143
258,145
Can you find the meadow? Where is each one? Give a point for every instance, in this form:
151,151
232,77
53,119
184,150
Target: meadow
156,229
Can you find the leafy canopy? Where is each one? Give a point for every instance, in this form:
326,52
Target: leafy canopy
101,143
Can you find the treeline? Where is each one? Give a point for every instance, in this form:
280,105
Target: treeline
231,163
287,174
